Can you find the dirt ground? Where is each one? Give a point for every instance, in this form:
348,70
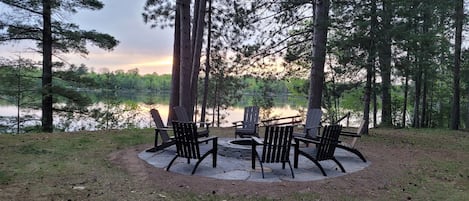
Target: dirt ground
387,163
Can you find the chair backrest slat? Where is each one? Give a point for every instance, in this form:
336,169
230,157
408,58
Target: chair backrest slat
360,131
251,117
181,114
277,144
313,119
186,139
159,124
328,142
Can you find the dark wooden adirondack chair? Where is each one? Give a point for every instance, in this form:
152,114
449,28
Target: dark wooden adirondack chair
181,115
160,130
354,135
312,124
324,150
187,144
275,147
248,127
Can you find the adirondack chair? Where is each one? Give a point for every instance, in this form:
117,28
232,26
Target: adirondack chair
324,150
181,115
187,144
248,127
275,147
351,146
312,124
162,131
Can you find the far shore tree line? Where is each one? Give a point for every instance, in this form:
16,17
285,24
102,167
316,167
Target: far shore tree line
402,58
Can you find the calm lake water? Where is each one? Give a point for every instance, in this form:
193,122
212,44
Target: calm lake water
133,111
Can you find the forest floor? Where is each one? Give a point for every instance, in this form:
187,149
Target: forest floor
406,164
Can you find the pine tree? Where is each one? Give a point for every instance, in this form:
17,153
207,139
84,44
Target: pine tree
36,21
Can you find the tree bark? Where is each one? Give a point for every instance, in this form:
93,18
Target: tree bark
426,57
176,70
370,66
406,91
47,121
197,39
375,98
423,117
185,57
321,20
207,63
455,114
385,65
418,86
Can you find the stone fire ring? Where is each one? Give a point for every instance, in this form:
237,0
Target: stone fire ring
234,163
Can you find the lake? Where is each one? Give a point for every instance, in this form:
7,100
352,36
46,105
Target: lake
132,111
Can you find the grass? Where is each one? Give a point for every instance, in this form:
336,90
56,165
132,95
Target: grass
74,166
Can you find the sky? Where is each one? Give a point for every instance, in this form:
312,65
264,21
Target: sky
149,50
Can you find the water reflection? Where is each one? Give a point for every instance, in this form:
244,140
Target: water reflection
102,116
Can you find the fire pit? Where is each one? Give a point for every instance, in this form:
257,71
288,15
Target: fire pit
235,148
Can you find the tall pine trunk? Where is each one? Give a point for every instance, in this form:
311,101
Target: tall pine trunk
47,121
321,20
426,57
406,92
418,86
207,63
375,98
185,56
370,65
176,70
385,65
197,39
455,114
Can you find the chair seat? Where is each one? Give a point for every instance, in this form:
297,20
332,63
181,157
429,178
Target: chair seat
275,148
244,130
248,126
203,133
188,144
324,149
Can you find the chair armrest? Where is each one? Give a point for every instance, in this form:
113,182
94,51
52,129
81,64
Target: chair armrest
257,140
282,120
349,134
237,123
312,127
164,129
206,139
207,124
306,140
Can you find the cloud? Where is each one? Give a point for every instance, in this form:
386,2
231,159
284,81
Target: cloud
140,46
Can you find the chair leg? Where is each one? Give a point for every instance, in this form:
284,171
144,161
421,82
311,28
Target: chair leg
291,170
253,154
215,151
353,150
200,160
262,168
296,152
156,138
320,167
171,163
339,164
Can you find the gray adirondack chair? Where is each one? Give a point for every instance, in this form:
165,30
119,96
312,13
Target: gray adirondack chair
324,149
161,131
181,115
312,124
275,147
187,144
355,136
248,127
